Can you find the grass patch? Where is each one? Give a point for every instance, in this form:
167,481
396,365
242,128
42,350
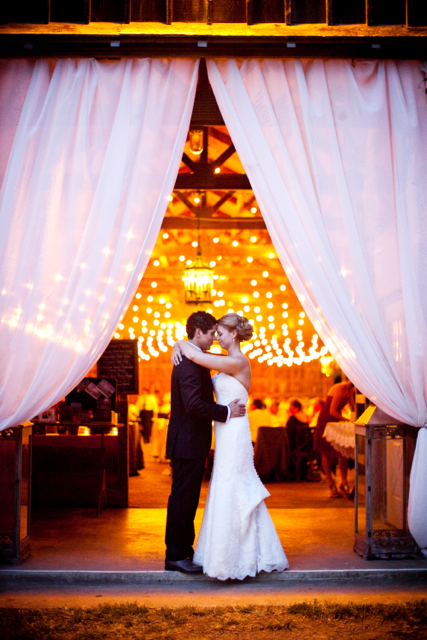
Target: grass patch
305,620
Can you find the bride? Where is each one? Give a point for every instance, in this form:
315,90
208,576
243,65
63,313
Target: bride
237,537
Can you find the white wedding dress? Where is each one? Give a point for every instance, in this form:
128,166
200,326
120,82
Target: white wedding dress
237,537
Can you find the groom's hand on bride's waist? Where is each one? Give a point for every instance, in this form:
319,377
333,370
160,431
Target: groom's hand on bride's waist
237,409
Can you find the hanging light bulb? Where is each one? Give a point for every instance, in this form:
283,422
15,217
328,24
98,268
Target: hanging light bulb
196,141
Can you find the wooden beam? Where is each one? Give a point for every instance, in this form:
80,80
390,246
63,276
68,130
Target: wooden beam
212,181
223,157
172,222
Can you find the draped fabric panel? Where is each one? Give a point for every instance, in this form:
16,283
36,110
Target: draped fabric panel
95,155
336,156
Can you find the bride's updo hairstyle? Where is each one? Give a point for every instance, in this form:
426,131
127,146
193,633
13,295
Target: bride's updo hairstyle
239,324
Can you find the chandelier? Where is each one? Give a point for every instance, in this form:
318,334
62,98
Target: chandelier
198,282
198,277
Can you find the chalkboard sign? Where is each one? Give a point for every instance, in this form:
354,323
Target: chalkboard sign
120,361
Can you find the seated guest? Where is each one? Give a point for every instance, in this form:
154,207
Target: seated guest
136,453
276,419
299,433
258,417
297,420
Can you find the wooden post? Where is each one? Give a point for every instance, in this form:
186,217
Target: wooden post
249,12
126,11
87,11
329,12
169,11
288,11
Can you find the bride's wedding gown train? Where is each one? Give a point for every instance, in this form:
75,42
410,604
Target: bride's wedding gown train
237,537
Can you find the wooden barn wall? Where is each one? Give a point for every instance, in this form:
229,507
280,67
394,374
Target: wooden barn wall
332,12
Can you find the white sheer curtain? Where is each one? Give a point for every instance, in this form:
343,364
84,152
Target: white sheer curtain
94,158
336,155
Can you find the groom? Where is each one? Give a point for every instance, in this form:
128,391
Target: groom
189,441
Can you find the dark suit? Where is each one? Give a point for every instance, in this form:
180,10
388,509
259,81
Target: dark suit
188,443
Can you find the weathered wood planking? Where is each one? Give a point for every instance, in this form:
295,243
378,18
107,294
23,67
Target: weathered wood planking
331,12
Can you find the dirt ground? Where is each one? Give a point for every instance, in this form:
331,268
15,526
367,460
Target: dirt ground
305,621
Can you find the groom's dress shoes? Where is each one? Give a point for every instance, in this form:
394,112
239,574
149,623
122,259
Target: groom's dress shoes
185,566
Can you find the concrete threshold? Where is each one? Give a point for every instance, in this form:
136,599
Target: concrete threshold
9,577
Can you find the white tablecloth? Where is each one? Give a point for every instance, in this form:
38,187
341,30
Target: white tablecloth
341,435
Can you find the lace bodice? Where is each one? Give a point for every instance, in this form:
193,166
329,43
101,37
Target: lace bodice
237,537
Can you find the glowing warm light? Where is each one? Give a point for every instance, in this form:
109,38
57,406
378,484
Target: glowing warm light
253,238
244,299
269,305
170,198
117,335
138,296
285,314
217,170
246,309
148,310
254,210
58,277
194,243
269,294
265,274
181,258
301,321
234,243
271,255
167,314
168,305
212,263
256,294
156,263
220,294
135,307
121,326
257,309
259,318
156,314
302,314
165,236
154,285
197,200
188,262
285,305
196,141
121,289
215,240
150,298
254,283
282,287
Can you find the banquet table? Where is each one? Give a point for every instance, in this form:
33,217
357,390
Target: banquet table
341,435
272,452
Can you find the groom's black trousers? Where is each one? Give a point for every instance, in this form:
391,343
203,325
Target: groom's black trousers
187,476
